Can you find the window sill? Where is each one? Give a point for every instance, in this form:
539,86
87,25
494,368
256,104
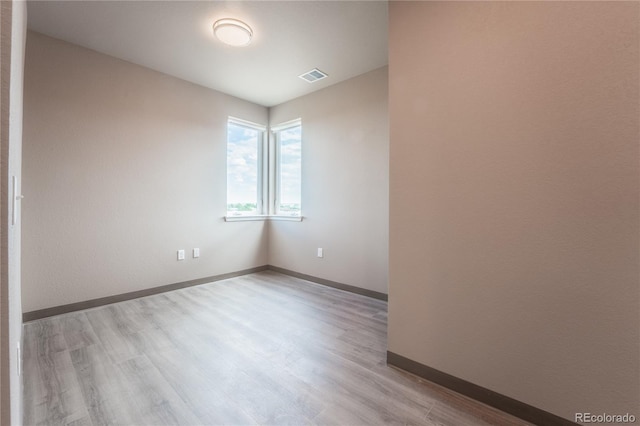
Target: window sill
286,218
262,217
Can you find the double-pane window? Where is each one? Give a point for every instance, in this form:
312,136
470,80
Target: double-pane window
264,177
245,146
288,168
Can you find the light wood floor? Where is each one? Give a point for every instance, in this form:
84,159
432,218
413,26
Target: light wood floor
264,348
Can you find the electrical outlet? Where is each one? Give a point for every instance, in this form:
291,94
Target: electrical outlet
320,252
180,254
196,252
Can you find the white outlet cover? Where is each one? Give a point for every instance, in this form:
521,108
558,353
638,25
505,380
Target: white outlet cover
320,252
196,252
180,254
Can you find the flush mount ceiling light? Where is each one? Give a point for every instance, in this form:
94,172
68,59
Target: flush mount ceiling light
232,32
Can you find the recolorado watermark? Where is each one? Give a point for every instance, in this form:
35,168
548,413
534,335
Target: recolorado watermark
604,418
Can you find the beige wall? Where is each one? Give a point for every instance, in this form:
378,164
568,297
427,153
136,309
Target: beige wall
13,34
123,166
514,214
345,157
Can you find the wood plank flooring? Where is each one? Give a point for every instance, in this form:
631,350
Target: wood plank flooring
263,349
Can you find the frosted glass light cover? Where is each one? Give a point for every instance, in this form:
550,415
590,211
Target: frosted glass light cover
232,32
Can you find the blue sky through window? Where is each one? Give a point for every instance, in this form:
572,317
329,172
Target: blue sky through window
290,169
242,166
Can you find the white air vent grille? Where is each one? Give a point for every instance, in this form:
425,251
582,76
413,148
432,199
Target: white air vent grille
313,75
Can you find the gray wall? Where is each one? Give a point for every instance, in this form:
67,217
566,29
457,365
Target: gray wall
123,166
345,160
514,198
13,34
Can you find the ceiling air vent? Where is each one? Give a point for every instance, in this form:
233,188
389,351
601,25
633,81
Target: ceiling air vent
313,75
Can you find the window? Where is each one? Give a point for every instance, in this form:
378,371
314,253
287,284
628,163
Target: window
245,146
264,180
288,168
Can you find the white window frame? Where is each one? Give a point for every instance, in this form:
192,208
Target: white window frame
268,172
261,195
274,167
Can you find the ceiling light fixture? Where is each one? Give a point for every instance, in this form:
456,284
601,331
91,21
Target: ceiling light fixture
232,32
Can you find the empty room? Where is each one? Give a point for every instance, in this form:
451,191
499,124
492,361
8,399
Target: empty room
320,212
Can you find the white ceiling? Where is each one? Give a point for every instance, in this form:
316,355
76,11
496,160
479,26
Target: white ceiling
341,38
